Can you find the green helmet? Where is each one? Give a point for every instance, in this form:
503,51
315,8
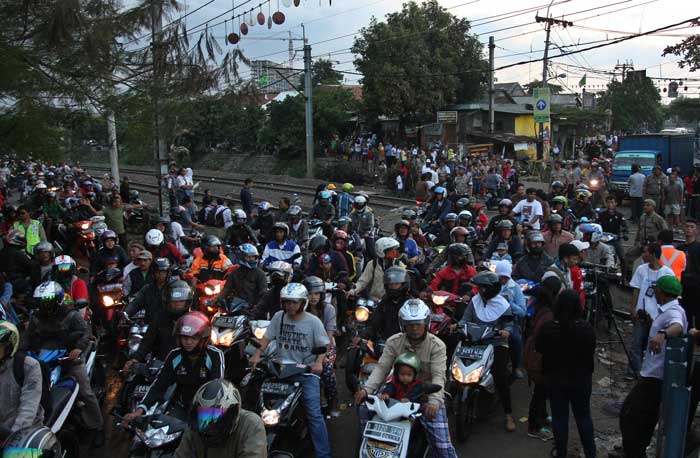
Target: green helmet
408,359
348,187
562,200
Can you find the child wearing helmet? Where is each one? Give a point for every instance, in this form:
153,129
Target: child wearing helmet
190,365
405,385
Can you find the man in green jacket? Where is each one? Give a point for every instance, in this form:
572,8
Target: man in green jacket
219,428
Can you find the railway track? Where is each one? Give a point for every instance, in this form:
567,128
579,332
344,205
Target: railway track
277,189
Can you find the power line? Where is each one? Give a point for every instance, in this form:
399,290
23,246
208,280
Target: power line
146,35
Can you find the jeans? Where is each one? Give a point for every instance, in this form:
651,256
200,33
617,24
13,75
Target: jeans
640,338
579,396
637,204
311,398
639,415
515,344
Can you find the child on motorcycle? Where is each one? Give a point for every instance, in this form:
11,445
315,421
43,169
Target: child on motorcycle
405,385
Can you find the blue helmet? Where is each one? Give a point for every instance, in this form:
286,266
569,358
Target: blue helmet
440,190
324,194
264,206
247,250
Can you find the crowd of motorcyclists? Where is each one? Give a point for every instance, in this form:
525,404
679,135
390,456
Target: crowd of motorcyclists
219,311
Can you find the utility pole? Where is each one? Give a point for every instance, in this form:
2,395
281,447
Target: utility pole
308,94
159,151
492,47
545,61
113,151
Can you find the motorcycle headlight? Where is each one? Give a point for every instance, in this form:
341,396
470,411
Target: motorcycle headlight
85,225
224,340
594,182
270,417
439,300
155,438
474,376
107,301
212,290
361,314
457,373
259,333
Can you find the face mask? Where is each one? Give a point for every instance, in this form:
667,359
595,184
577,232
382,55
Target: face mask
538,250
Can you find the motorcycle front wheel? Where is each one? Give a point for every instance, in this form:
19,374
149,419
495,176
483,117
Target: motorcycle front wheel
465,415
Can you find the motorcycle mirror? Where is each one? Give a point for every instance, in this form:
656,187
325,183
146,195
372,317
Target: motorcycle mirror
319,351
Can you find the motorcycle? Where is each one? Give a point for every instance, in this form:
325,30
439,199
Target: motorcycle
279,403
156,434
137,383
207,293
138,220
393,431
86,241
443,308
470,374
357,323
230,331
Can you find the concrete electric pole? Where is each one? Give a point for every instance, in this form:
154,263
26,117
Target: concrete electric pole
308,94
492,48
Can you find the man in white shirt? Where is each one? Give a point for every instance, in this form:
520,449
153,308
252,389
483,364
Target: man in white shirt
644,307
530,209
636,192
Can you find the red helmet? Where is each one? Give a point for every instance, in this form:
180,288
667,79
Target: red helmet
194,324
342,235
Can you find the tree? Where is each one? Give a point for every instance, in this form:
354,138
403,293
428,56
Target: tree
635,104
553,88
322,73
421,59
689,49
686,109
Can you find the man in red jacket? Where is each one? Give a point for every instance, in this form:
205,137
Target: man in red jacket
455,276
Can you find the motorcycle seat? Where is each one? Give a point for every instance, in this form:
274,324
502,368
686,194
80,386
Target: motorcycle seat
60,396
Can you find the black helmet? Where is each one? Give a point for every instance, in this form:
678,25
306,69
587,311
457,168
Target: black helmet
403,223
314,285
161,264
395,275
532,238
282,227
318,243
408,214
462,203
215,411
488,283
555,218
458,254
35,441
211,240
179,291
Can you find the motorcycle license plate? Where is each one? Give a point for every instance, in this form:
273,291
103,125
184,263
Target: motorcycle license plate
377,449
383,432
473,353
225,321
274,388
140,391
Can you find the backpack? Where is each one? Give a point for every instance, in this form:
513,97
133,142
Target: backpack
219,217
532,359
210,219
18,372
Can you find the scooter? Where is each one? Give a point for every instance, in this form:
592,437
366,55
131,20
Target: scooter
443,307
393,432
356,361
279,403
137,383
470,374
230,332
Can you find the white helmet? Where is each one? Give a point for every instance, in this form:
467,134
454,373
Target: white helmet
383,244
596,237
154,237
239,214
465,214
295,292
413,311
40,185
360,201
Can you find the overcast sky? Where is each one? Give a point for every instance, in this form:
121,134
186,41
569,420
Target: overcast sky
344,17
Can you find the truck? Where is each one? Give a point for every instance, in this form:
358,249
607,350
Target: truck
664,149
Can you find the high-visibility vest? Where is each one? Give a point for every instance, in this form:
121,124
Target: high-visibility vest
673,259
30,233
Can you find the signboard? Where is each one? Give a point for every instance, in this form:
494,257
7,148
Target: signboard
447,117
540,104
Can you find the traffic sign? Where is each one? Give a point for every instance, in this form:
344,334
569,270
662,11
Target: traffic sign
540,104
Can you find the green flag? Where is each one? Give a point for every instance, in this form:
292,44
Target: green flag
583,81
264,80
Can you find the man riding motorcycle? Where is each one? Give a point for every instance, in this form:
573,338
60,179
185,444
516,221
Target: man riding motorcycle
240,232
264,222
155,243
555,236
109,251
298,227
489,308
212,263
454,277
504,208
414,317
56,326
535,262
408,245
153,296
281,248
446,226
582,207
193,363
219,428
384,323
387,250
324,211
64,272
458,234
320,246
42,264
297,333
505,234
159,339
248,281
269,304
340,244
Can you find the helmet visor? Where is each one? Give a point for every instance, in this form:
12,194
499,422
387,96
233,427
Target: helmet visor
207,417
27,452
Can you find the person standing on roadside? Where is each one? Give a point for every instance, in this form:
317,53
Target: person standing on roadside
654,186
636,192
247,196
567,345
690,279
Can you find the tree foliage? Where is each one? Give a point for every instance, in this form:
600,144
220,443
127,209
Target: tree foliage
686,109
323,73
417,61
688,49
553,88
635,104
